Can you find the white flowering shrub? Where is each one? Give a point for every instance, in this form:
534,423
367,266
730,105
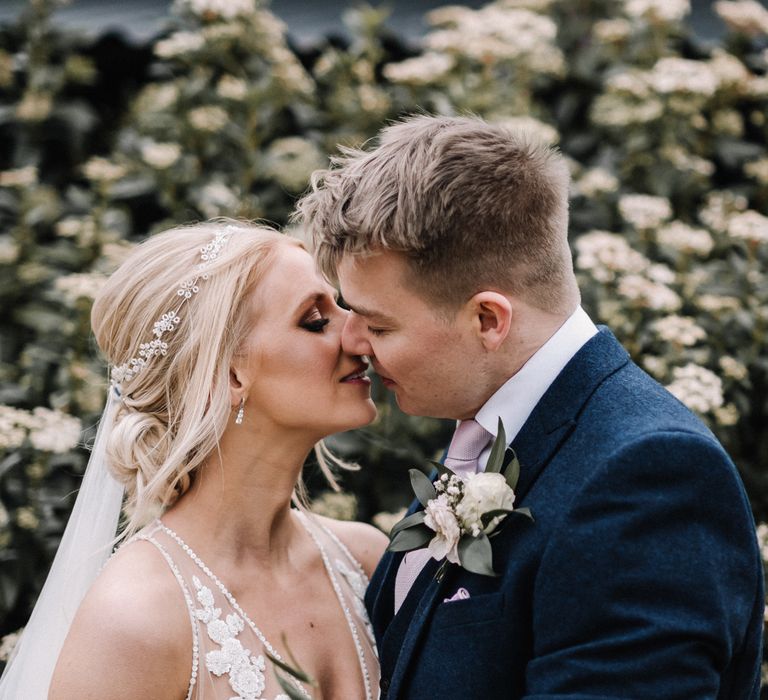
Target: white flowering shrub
665,136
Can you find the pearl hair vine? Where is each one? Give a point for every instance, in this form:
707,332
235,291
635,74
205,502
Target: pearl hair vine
170,320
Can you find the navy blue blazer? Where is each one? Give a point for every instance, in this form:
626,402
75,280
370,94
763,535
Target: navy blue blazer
640,577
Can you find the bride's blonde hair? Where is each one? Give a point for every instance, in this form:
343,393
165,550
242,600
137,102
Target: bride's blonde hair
174,411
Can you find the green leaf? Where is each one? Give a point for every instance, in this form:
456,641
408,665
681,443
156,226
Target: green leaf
289,688
476,555
408,521
441,468
491,514
414,537
526,512
496,458
296,673
512,473
422,486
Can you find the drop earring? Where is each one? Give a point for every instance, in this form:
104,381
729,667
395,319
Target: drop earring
240,412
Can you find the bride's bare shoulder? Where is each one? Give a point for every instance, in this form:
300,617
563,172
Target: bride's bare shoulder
365,542
131,636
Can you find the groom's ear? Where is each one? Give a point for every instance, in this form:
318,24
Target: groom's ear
491,318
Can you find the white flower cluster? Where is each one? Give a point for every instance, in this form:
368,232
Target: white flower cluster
9,250
48,430
179,44
743,16
530,126
14,425
160,156
750,226
644,211
610,31
336,505
208,118
646,293
231,88
81,228
54,431
596,181
680,330
224,9
762,541
684,160
607,255
420,70
8,643
102,170
20,177
658,10
729,70
758,169
697,387
292,160
385,521
719,206
81,285
497,33
733,369
680,236
681,75
459,507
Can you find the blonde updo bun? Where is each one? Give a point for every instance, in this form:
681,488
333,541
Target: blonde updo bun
175,409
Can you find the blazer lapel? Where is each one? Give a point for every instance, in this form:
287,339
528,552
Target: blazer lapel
556,415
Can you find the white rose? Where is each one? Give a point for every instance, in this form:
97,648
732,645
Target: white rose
440,518
482,494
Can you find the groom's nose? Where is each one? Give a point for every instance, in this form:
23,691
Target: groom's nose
354,339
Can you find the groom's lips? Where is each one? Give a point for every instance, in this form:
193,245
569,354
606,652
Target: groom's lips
386,381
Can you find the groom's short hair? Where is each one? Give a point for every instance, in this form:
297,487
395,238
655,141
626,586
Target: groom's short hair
471,206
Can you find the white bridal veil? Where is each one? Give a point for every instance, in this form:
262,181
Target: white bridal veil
85,547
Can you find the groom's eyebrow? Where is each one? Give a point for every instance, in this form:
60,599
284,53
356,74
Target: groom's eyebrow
370,313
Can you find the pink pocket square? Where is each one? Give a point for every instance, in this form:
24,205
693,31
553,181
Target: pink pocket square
461,594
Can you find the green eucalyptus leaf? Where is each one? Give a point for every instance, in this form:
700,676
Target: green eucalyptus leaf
496,458
476,555
408,521
491,514
414,537
441,468
512,472
526,512
422,486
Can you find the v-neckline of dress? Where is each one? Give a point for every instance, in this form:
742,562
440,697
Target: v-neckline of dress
259,634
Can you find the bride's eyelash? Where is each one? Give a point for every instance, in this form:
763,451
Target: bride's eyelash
315,326
314,321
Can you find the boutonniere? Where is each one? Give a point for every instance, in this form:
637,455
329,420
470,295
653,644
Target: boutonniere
461,515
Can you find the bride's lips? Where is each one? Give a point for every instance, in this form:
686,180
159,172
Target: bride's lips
357,376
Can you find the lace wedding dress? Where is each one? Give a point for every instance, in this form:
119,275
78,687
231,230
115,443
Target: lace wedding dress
228,662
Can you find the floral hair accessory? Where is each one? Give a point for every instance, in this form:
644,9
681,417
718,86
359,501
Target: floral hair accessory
170,320
460,515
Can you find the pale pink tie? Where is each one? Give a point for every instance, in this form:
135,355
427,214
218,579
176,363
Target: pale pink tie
469,441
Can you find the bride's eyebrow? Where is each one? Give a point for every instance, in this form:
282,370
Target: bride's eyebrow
315,298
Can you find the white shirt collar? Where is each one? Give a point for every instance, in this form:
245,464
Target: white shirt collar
514,401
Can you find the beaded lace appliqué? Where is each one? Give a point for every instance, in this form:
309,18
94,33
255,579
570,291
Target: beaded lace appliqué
245,671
